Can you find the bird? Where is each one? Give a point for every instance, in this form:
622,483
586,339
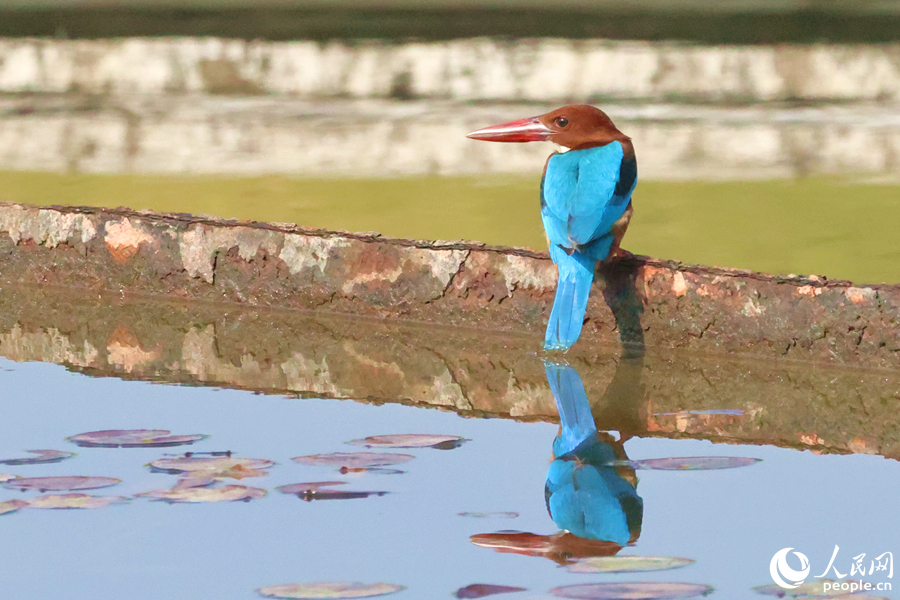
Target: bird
588,493
586,193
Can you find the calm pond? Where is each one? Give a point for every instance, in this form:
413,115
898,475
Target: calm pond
613,490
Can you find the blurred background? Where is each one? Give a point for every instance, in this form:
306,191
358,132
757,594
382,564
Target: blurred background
767,132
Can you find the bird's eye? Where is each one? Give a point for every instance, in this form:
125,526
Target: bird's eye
561,121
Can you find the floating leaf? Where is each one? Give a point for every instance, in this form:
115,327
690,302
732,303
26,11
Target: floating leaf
44,457
480,590
11,506
60,484
353,460
314,486
811,590
631,591
690,463
411,440
628,564
489,515
228,493
213,466
75,501
373,470
191,482
133,438
315,491
330,590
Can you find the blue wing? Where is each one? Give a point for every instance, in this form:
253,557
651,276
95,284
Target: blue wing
584,192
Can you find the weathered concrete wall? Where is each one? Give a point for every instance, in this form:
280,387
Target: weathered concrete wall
538,70
202,134
474,372
637,302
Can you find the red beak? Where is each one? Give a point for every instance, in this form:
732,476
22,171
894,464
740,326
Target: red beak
523,130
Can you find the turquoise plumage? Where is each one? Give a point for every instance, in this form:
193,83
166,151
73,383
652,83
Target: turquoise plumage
585,493
582,198
585,202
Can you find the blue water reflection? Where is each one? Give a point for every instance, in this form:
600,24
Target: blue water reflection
730,522
586,494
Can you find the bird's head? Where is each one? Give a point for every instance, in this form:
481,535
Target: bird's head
573,127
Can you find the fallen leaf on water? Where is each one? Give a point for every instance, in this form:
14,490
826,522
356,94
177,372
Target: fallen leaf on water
213,466
11,506
228,493
480,590
330,590
133,438
43,457
631,591
75,501
690,463
353,460
627,564
411,440
60,484
489,515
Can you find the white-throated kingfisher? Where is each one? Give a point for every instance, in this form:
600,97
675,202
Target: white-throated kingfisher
585,202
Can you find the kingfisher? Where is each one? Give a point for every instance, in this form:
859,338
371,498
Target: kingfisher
585,202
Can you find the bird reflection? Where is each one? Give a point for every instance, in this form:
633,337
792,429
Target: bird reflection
590,496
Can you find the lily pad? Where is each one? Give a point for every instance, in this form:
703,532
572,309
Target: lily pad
316,491
43,457
809,591
489,515
330,590
411,440
213,466
59,501
228,493
690,463
313,486
60,484
11,506
631,591
480,590
353,460
133,438
628,564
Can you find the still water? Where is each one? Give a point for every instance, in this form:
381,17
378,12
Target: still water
729,521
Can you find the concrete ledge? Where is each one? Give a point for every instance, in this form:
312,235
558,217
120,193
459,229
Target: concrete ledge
474,372
481,69
378,138
635,303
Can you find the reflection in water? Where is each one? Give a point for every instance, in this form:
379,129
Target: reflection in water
590,493
585,495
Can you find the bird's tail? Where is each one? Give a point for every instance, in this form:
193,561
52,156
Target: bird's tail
576,273
575,417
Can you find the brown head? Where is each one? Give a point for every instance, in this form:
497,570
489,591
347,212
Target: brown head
576,126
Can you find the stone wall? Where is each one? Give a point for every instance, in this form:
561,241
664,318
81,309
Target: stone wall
529,70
